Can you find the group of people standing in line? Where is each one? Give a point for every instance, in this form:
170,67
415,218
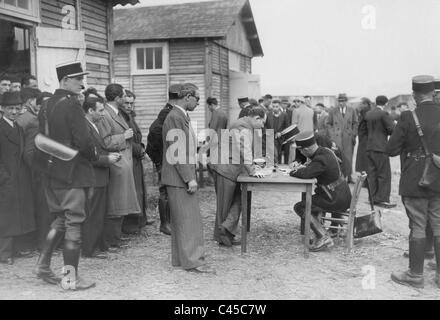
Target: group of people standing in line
99,193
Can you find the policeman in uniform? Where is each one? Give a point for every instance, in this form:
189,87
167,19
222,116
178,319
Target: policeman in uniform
69,182
332,193
422,204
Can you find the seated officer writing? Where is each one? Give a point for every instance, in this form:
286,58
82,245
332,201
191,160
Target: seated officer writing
332,193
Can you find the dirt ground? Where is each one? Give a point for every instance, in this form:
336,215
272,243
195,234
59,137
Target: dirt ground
273,268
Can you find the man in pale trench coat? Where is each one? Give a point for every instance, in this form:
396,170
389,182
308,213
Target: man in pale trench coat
117,135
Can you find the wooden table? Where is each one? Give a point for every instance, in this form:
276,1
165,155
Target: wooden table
277,182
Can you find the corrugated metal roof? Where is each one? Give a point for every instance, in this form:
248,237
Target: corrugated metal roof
210,19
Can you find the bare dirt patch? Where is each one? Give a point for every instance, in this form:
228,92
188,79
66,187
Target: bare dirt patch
273,268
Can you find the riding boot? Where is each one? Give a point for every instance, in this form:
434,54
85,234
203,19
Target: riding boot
43,270
164,213
414,276
71,255
429,246
437,259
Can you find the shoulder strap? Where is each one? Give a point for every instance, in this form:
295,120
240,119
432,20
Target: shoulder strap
46,116
337,160
420,132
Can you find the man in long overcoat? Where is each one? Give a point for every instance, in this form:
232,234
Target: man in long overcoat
16,207
117,135
342,125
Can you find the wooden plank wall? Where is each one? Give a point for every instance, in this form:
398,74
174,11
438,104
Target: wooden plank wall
121,65
51,15
151,96
220,71
94,22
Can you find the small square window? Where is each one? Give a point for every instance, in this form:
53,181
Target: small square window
149,58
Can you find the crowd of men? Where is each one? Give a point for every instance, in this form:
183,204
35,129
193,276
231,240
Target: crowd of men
78,156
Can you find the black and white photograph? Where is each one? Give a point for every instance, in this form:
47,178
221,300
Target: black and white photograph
231,152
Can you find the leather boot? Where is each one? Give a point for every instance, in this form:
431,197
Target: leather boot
414,276
71,254
43,270
437,259
429,246
164,213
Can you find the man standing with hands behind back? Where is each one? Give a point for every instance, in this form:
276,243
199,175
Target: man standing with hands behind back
187,241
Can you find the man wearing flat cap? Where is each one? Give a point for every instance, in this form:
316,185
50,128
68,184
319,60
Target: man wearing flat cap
245,107
342,125
69,183
332,192
16,207
422,203
379,127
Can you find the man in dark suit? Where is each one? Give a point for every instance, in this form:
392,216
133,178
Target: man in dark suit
219,119
29,122
155,152
179,175
379,127
70,182
277,121
93,227
332,192
226,174
422,204
16,207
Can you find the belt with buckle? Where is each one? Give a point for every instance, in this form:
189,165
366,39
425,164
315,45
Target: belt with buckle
332,186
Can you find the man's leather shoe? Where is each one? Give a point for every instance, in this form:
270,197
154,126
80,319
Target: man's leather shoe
165,228
8,261
385,205
98,255
408,279
225,238
25,254
203,269
322,244
47,275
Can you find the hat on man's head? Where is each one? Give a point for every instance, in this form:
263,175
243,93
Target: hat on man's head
253,102
305,139
437,84
423,84
70,70
11,99
29,93
243,100
44,95
174,91
342,97
381,100
267,96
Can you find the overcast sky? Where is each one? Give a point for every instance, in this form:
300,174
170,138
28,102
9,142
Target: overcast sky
322,47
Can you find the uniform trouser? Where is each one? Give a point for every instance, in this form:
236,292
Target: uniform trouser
379,175
70,207
187,241
228,205
92,229
278,151
315,224
420,211
6,248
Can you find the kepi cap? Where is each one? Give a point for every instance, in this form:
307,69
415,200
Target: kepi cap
423,84
70,70
305,139
437,84
243,100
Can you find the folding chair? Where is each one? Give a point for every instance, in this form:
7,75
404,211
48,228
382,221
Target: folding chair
346,223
